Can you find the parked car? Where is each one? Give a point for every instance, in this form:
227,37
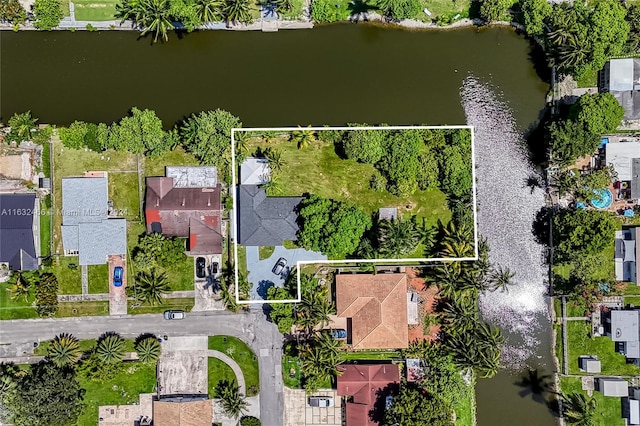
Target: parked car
173,315
321,401
200,267
339,333
214,268
279,266
118,272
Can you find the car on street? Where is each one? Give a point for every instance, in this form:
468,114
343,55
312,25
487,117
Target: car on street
321,401
339,333
214,268
118,272
279,266
200,267
173,315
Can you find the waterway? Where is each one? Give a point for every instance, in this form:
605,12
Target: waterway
330,75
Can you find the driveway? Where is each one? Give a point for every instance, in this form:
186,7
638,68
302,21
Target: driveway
117,295
207,289
260,274
298,412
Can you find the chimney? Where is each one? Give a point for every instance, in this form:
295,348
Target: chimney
183,201
157,201
209,202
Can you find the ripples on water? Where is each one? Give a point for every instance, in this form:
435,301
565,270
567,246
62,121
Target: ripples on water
506,209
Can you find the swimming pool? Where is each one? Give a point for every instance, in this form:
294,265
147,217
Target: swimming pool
602,199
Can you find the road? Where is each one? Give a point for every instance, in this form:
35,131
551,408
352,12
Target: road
262,336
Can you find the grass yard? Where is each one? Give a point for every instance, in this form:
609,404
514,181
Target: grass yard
632,300
580,343
154,166
15,309
216,372
369,355
69,278
444,8
98,278
95,10
123,191
45,230
131,379
289,362
559,346
181,275
465,407
590,79
183,304
83,309
266,252
608,410
296,10
43,347
317,169
631,290
243,355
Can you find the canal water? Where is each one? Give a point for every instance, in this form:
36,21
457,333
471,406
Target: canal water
331,75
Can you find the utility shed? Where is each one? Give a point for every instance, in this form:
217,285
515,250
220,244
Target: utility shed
613,387
589,364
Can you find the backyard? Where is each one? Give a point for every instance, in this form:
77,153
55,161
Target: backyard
94,10
243,355
608,410
317,169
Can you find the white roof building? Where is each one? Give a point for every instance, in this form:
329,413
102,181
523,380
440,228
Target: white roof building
255,171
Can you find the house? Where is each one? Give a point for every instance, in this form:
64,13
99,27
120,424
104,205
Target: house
624,155
87,229
375,308
589,364
621,77
612,387
255,171
623,327
626,260
182,412
186,204
17,230
365,384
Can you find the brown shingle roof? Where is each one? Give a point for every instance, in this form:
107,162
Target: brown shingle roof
377,306
191,413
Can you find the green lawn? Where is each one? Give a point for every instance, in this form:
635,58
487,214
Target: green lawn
132,379
15,309
123,191
317,169
369,355
218,371
69,279
83,309
632,290
45,229
92,10
295,12
154,166
183,304
98,278
266,252
580,343
85,345
632,300
465,407
608,410
445,8
590,79
289,362
559,346
243,355
181,275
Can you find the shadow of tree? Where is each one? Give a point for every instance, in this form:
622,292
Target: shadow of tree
263,287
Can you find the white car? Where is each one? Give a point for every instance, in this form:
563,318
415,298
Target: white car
321,401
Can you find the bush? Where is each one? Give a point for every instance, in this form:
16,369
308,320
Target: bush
378,182
330,10
365,146
48,14
400,9
331,136
250,421
494,10
12,11
401,164
578,233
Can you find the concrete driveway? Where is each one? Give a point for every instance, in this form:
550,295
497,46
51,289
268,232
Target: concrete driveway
207,289
260,274
117,295
298,412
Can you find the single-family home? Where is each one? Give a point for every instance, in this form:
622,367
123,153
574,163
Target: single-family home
88,231
612,386
19,223
183,412
621,78
366,384
626,259
186,203
623,154
375,308
623,327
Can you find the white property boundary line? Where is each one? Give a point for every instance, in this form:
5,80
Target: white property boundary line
329,262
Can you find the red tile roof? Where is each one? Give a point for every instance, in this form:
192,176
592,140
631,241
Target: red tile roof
364,383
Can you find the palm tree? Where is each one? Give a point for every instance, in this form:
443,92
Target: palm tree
148,348
110,348
273,186
398,237
535,384
457,241
21,286
573,52
579,410
274,158
460,315
150,286
500,279
21,126
155,18
237,11
9,374
303,138
210,11
283,6
64,350
233,402
446,278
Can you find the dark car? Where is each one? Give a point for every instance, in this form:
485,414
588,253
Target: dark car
339,333
279,266
118,272
200,267
173,315
214,268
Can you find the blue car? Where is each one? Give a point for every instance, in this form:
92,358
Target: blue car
117,276
339,333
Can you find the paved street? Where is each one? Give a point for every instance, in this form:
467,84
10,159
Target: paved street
263,338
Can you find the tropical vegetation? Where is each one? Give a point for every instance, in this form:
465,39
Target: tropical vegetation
233,402
48,14
11,11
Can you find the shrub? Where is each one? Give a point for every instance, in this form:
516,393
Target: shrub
494,10
378,182
365,146
330,10
12,11
400,9
250,421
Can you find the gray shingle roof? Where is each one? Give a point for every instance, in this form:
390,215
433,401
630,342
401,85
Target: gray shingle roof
98,240
84,200
265,221
17,246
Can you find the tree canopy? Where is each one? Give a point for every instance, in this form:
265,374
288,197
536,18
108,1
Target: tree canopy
365,146
599,113
494,10
582,232
400,9
330,226
48,14
413,407
534,14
